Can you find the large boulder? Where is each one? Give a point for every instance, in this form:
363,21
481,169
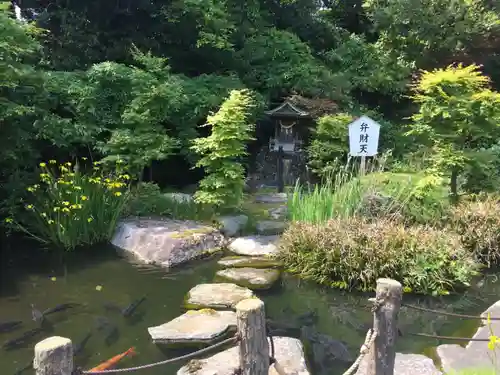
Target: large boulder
195,327
216,296
289,354
255,245
233,225
252,278
270,227
166,242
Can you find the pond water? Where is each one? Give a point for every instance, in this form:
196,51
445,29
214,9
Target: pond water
120,282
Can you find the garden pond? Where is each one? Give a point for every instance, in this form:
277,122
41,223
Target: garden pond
101,276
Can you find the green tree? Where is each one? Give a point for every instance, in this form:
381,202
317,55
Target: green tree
458,112
222,150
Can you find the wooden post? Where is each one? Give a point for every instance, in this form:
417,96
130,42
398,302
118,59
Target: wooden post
362,166
53,356
254,348
385,323
279,172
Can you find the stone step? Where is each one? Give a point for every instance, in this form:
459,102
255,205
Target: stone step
237,261
220,296
252,278
255,245
289,353
271,198
270,227
195,328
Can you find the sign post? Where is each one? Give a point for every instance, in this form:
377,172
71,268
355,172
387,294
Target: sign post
363,139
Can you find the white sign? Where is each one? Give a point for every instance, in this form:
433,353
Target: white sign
363,137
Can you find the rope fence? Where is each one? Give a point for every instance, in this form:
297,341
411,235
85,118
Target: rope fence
256,346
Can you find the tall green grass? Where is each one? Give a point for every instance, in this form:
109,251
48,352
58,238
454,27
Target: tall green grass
346,193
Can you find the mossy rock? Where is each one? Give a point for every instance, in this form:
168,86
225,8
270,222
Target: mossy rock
253,262
191,232
251,278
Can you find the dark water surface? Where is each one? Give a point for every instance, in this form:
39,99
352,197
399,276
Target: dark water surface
340,314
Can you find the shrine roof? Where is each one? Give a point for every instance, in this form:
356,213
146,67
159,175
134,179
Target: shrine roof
287,109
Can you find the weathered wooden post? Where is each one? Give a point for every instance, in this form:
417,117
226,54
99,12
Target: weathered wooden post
254,348
53,356
385,323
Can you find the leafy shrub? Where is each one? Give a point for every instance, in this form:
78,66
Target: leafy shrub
70,208
148,200
482,172
329,144
353,253
478,224
221,151
412,197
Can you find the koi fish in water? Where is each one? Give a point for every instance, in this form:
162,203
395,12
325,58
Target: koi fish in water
113,361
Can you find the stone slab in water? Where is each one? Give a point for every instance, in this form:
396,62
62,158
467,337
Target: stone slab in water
255,245
238,261
289,353
270,227
166,242
195,327
278,213
476,354
233,225
216,296
407,364
271,198
252,278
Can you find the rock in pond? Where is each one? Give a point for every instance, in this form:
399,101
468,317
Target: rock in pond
255,245
252,278
289,353
270,227
455,358
166,242
195,327
233,225
407,364
254,262
271,198
216,296
278,213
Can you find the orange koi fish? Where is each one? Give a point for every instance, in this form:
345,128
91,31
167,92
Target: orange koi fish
113,361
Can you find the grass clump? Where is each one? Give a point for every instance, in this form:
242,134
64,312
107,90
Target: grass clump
352,253
478,224
70,207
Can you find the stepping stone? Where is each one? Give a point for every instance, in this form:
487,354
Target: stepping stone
271,198
195,327
252,278
237,261
407,364
270,227
232,225
179,197
289,353
278,213
216,296
255,245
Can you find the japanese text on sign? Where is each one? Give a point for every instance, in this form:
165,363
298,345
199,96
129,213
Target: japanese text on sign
363,137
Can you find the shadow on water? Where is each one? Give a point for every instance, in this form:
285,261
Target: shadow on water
98,277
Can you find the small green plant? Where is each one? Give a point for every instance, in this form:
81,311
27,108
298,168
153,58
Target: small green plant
222,150
352,253
147,200
478,224
70,208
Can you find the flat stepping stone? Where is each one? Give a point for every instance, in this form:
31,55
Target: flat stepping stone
271,198
407,364
278,213
455,358
216,296
270,227
238,261
255,245
289,353
232,225
195,327
252,278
